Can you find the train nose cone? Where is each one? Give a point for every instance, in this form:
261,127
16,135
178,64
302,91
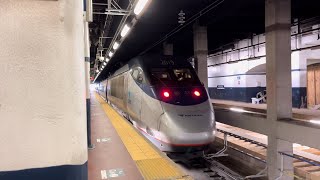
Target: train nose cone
188,124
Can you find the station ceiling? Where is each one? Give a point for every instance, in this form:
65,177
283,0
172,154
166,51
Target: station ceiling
226,20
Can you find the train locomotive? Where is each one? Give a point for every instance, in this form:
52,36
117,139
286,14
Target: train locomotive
165,100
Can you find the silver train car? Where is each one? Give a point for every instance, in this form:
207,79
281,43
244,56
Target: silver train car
165,100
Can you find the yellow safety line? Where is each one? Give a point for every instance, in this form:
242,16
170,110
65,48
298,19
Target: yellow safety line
151,163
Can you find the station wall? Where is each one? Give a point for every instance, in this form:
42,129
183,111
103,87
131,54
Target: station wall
42,91
239,73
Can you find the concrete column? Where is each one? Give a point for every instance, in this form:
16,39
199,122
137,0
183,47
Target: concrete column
200,46
278,54
42,91
87,77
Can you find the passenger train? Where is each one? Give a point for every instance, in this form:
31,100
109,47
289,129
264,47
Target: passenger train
164,99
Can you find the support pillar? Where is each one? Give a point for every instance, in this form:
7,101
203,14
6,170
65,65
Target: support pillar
87,77
200,45
278,54
42,87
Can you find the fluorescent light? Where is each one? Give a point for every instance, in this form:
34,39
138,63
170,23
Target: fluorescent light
237,110
315,121
115,45
125,30
107,59
139,7
104,63
102,66
97,70
110,54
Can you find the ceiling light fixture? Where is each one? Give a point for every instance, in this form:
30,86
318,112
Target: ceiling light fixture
139,7
104,63
107,59
125,30
110,54
101,58
115,45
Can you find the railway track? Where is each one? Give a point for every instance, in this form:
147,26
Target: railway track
223,171
208,166
202,167
306,160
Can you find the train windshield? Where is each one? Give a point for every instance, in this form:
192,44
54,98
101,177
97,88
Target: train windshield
173,76
182,74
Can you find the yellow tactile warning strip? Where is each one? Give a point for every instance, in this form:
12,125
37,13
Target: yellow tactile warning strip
152,165
159,168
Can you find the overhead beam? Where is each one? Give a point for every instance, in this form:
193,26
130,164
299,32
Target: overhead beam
119,12
299,132
89,10
125,14
248,121
100,4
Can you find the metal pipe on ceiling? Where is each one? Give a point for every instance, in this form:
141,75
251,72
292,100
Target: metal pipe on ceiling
117,33
112,13
121,24
100,4
106,37
89,10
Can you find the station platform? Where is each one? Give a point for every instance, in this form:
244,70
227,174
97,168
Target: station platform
298,114
254,144
121,152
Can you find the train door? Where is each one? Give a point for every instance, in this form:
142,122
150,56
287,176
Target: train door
106,90
125,92
313,85
134,94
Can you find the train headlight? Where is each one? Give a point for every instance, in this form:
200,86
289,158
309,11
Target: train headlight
196,93
166,94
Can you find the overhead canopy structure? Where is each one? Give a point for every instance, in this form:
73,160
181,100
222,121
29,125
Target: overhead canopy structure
226,20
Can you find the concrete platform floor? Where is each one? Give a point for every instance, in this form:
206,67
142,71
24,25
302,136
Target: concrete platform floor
110,157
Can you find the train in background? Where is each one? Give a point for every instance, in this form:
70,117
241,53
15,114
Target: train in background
165,100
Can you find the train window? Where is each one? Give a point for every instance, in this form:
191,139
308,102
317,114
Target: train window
182,74
117,85
140,76
168,76
135,73
161,75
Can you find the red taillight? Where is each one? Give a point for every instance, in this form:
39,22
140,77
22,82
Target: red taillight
166,94
196,93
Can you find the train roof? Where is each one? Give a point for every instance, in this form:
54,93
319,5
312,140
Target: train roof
158,61
149,61
121,70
